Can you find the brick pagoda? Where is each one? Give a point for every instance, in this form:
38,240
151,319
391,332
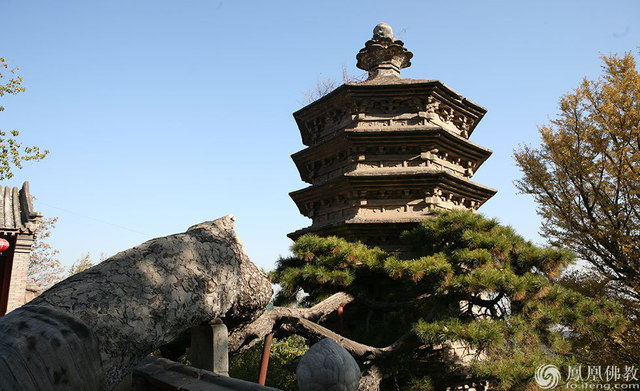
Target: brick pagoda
381,154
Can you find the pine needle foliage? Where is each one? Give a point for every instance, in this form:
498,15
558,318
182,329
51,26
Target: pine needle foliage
615,350
472,280
81,264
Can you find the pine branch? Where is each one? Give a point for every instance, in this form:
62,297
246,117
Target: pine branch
245,337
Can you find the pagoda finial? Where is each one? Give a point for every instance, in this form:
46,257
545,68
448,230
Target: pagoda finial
383,55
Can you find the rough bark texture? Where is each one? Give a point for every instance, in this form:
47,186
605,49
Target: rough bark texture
42,348
146,296
244,338
371,379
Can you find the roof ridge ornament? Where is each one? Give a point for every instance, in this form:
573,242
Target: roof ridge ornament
383,55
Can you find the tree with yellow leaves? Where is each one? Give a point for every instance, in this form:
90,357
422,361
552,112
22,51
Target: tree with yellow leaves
12,153
585,176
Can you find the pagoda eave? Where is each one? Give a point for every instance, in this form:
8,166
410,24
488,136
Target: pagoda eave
421,140
368,186
359,231
352,99
398,179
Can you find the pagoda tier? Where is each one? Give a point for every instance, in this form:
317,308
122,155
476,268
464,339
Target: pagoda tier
401,196
426,147
384,153
387,104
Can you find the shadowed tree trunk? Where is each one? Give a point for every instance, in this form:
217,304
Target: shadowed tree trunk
89,330
285,321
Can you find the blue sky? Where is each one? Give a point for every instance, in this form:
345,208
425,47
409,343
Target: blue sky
160,115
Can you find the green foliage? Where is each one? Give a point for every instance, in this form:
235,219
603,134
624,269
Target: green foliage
12,153
419,384
471,280
81,264
610,349
246,366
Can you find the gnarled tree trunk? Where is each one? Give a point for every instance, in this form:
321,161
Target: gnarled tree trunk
305,322
89,330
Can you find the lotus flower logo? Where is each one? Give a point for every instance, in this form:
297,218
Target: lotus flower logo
547,376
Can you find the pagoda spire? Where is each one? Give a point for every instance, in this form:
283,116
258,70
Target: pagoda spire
382,155
383,56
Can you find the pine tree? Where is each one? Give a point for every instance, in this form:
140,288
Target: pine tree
473,283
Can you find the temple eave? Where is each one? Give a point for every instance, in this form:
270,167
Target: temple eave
376,180
355,230
404,136
408,147
354,99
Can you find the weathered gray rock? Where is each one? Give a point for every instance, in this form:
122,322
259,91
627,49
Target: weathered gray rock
327,366
141,298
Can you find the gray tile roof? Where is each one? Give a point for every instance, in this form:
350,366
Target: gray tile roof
16,210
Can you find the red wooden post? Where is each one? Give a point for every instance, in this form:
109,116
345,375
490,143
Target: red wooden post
265,359
340,318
